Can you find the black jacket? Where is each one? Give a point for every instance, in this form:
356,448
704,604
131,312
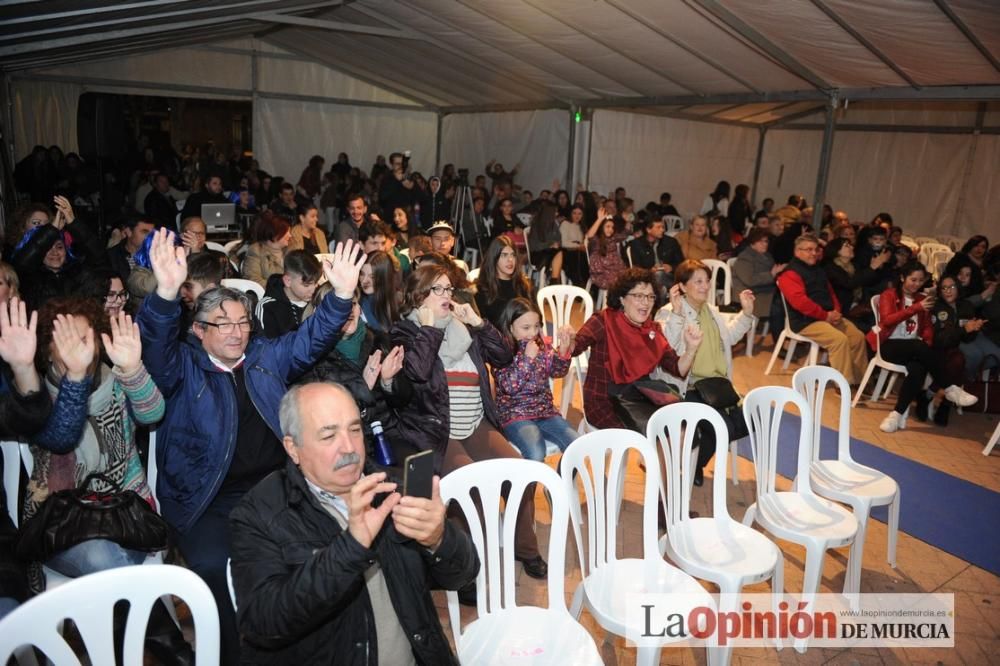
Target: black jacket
434,207
38,283
118,258
424,422
161,208
300,587
668,251
949,322
275,313
374,404
844,284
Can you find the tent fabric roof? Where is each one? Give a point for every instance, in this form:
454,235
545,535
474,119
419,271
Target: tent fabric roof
742,61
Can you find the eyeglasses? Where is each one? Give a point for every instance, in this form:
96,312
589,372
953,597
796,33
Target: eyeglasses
117,296
643,298
949,287
229,327
441,291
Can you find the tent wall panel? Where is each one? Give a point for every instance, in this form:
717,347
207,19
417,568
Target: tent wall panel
303,78
982,191
293,131
177,67
537,140
650,155
44,114
789,165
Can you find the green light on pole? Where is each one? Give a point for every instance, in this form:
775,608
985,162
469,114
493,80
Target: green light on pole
577,116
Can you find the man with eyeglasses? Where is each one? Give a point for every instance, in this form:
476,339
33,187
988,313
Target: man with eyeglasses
221,432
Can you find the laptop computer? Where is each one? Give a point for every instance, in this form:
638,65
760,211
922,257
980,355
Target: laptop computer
218,217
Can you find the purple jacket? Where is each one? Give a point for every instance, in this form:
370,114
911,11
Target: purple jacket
523,392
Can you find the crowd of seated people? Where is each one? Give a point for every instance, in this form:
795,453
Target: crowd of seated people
264,462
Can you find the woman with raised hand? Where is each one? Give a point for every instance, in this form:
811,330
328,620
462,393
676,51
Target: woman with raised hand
446,348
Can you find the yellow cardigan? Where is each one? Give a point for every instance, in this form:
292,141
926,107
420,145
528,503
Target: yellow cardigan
297,242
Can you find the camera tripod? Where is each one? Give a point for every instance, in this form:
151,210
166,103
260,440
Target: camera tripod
463,211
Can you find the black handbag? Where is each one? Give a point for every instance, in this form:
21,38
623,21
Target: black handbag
718,393
637,402
69,517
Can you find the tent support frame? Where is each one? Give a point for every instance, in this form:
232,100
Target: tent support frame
825,153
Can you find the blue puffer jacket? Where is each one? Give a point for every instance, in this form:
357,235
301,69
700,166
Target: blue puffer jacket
197,438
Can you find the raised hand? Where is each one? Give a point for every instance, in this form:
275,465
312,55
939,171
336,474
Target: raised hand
363,520
746,301
17,334
64,212
421,519
677,299
373,368
345,268
693,337
76,352
124,347
169,264
465,314
392,363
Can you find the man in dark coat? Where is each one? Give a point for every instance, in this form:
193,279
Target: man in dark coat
330,563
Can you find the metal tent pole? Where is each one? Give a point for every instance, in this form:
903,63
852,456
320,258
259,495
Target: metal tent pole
756,166
825,153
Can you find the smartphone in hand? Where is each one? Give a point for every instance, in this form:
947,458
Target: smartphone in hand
418,474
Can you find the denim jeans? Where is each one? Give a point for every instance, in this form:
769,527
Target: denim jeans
530,436
7,604
980,353
92,556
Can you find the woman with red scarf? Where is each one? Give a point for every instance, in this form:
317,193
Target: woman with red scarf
625,346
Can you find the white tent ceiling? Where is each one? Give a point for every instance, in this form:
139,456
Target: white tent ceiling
743,61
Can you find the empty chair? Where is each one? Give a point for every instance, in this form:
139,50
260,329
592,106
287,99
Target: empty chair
929,249
994,438
799,515
89,601
843,479
597,461
473,275
675,224
556,305
885,368
717,549
244,286
503,628
793,338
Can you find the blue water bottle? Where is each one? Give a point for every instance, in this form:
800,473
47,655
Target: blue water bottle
383,454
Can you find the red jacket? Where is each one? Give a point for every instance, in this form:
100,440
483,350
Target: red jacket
794,289
891,313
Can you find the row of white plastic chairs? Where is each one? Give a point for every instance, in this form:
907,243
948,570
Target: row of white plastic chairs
718,549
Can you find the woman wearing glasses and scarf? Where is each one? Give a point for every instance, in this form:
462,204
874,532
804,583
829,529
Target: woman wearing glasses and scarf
446,348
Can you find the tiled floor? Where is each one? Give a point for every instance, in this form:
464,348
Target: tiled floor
920,567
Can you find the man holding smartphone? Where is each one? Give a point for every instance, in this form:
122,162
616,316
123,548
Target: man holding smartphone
330,563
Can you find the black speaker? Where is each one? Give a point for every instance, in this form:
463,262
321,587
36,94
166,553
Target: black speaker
100,126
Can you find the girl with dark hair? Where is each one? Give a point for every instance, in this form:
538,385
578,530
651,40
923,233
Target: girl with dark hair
625,346
401,223
500,280
971,284
571,231
524,397
849,279
505,223
311,180
975,248
446,348
545,241
604,239
380,285
906,336
717,201
740,210
306,235
561,197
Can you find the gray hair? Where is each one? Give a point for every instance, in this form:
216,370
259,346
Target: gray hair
289,415
806,238
212,299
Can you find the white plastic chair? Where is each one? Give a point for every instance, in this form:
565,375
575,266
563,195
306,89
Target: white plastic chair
885,368
938,262
473,275
215,247
229,581
793,338
232,245
244,286
994,438
88,601
845,480
151,470
628,255
502,626
717,549
674,224
929,249
800,515
556,305
714,292
607,579
12,478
